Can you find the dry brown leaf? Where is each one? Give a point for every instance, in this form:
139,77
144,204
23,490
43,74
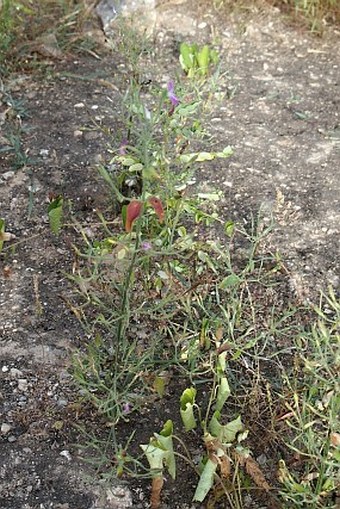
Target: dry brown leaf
225,466
156,488
255,472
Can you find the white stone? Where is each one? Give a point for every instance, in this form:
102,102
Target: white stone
5,428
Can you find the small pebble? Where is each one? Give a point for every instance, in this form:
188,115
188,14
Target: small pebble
16,373
22,384
5,428
79,105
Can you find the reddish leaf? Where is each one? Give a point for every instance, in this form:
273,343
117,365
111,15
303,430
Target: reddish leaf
133,211
158,207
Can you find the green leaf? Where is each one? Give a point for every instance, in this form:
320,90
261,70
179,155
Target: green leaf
230,281
150,173
226,152
186,110
223,393
55,214
187,402
164,438
168,428
205,156
135,168
229,228
203,58
159,385
186,56
206,481
127,161
225,432
155,457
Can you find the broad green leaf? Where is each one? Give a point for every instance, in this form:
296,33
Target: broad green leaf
164,438
187,402
225,432
206,481
229,282
155,456
134,168
223,393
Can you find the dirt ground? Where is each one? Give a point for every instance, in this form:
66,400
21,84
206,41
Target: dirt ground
281,115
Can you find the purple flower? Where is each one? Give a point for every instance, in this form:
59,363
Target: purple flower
123,145
171,94
126,408
146,246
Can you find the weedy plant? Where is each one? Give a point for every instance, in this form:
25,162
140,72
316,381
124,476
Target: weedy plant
224,454
146,177
157,290
313,404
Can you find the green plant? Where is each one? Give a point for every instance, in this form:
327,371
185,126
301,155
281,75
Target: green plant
55,214
222,443
313,411
196,61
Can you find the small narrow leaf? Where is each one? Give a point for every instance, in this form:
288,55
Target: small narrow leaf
55,214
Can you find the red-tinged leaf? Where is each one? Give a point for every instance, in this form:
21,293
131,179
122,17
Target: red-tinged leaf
133,211
157,205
